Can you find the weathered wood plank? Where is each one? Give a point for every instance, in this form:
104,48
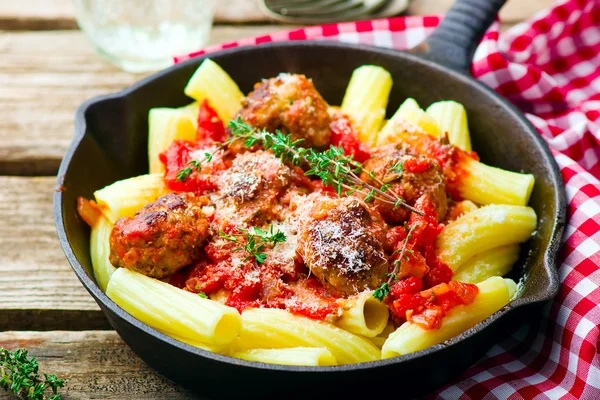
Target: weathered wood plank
59,14
44,76
38,289
96,364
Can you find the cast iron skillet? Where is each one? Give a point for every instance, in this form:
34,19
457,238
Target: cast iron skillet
111,144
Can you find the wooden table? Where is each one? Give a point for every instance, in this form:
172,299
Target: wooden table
47,68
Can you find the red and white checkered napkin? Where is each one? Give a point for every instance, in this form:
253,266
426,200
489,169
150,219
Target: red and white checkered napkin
550,68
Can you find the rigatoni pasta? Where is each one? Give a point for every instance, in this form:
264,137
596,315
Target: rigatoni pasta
100,250
451,118
483,229
490,185
497,261
124,198
307,356
366,99
165,125
173,311
364,315
212,83
409,116
278,329
281,229
493,294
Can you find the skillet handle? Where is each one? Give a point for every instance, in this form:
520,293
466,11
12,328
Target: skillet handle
454,41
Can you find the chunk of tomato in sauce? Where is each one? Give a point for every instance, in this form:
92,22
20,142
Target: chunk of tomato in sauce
425,227
430,318
342,134
177,158
466,292
210,128
438,301
417,165
408,302
438,273
409,285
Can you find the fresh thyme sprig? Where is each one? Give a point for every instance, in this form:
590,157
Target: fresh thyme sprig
255,241
19,374
384,288
335,168
195,165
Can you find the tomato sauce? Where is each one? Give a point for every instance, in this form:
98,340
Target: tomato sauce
177,157
250,286
210,128
425,293
422,291
450,158
342,134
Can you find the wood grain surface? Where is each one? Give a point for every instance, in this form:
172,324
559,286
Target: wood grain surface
44,77
38,289
96,364
59,14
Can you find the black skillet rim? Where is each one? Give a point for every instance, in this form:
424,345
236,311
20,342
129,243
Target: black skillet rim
550,254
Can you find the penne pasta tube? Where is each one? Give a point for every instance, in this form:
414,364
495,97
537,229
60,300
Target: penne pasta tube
308,356
211,82
272,328
409,337
364,315
366,99
100,250
126,197
484,229
172,310
490,185
165,126
451,117
409,116
493,262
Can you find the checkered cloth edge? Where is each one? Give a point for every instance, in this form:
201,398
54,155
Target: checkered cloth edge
549,67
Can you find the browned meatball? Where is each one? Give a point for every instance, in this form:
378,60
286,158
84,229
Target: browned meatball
409,176
341,241
162,237
253,190
291,104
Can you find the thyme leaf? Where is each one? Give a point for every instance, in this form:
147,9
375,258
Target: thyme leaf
384,288
332,166
253,241
19,374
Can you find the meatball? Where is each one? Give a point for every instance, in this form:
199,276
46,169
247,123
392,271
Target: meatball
409,176
253,190
341,241
162,237
291,104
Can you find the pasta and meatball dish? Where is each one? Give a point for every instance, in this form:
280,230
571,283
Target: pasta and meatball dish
277,228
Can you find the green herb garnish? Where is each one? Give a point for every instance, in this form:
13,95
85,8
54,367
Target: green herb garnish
384,288
332,166
19,374
253,241
196,165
